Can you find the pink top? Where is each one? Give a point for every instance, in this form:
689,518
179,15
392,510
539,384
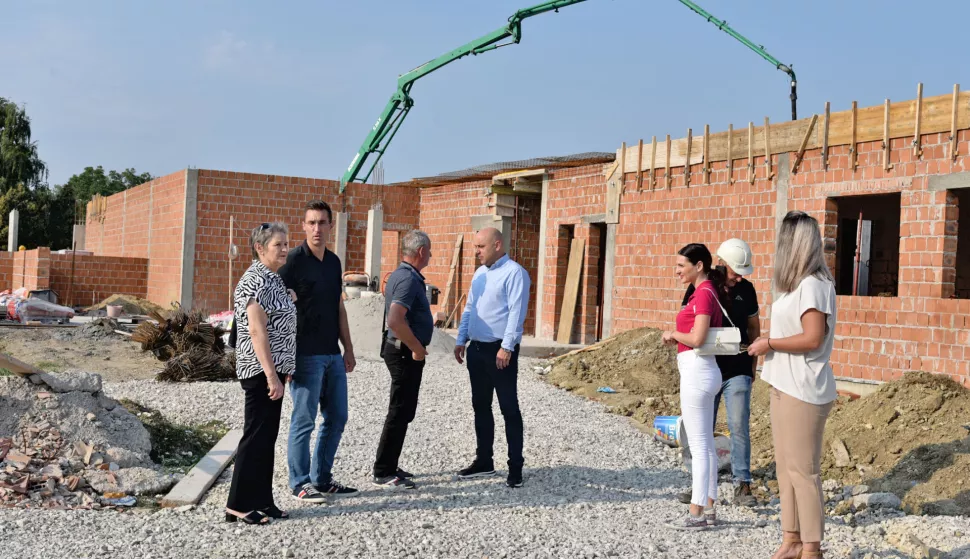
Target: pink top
702,301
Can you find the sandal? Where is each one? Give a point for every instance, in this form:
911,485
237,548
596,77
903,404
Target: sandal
273,511
253,517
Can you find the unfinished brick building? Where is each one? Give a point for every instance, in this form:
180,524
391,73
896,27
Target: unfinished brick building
904,303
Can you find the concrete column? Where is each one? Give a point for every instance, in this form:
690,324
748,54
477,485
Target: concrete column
339,241
80,232
372,253
609,273
12,231
781,198
540,281
189,226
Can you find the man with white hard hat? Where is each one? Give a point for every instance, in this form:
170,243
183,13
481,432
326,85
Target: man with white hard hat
737,371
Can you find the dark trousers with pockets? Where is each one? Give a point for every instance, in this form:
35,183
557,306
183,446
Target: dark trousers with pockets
252,474
405,385
487,378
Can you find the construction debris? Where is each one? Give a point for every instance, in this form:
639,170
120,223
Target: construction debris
193,349
130,305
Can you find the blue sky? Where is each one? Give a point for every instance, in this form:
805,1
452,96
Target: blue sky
293,87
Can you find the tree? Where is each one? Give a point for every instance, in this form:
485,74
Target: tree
19,161
93,180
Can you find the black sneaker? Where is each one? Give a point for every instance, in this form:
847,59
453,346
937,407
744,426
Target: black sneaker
404,473
515,478
477,469
334,489
308,494
393,482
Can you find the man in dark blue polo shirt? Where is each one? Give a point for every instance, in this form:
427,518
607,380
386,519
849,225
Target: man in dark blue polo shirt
410,326
314,273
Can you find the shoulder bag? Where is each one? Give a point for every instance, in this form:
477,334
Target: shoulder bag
721,341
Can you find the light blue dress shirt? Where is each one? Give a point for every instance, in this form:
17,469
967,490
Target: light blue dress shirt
497,304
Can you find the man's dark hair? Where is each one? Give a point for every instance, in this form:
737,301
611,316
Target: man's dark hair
320,206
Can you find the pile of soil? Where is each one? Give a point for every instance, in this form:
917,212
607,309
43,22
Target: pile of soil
911,437
635,364
365,316
130,304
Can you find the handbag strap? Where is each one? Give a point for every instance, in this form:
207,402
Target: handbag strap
718,301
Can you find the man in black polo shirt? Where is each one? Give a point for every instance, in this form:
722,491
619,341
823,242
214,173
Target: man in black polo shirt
737,371
314,273
410,326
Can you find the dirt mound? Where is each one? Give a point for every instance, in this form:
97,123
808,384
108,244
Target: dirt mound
910,438
365,316
635,364
129,303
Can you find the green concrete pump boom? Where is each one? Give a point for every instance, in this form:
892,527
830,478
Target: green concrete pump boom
760,50
401,102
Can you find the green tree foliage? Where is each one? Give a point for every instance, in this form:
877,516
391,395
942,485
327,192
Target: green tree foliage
47,215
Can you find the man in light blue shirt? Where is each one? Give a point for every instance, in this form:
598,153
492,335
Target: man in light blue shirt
491,325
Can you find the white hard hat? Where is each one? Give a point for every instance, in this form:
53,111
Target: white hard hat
737,255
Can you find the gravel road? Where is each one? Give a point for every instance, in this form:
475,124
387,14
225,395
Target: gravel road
595,486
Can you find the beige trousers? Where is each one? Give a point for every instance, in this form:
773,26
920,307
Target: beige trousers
797,428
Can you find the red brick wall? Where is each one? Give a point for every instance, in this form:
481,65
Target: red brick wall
252,199
97,277
878,338
145,222
6,270
390,253
31,269
446,211
525,250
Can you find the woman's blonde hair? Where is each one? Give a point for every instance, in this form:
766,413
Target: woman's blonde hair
799,252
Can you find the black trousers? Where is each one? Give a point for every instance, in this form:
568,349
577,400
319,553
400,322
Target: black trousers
487,378
252,475
405,385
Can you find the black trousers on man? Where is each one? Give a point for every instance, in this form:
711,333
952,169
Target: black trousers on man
252,474
487,378
405,385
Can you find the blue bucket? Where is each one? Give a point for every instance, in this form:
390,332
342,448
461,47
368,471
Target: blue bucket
667,429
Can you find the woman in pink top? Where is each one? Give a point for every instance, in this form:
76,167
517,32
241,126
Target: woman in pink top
700,379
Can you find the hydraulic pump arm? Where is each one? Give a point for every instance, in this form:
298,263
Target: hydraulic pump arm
401,102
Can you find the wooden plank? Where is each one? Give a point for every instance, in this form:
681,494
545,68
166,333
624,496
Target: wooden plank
953,122
523,192
640,165
917,150
769,174
886,139
516,174
667,164
730,154
825,136
614,189
690,138
451,315
937,116
453,271
193,486
751,152
569,299
801,148
653,162
523,188
706,154
17,367
854,147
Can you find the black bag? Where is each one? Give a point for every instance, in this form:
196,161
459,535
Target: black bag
232,334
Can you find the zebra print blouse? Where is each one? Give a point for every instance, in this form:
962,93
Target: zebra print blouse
266,287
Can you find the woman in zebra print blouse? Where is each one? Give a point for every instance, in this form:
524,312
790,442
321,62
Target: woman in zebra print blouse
265,357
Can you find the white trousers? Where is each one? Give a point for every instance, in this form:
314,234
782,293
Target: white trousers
700,381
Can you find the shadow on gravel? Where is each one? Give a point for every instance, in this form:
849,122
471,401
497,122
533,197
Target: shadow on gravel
544,487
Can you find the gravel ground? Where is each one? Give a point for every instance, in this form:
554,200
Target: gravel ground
595,487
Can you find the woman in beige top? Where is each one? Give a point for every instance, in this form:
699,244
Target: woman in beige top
797,353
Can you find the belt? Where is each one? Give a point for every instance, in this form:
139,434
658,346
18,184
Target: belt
398,344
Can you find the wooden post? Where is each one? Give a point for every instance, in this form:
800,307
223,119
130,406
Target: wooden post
667,169
70,285
886,154
804,144
854,148
917,149
769,174
825,137
690,141
653,162
953,122
640,165
750,152
622,168
452,272
730,154
573,276
707,153
232,223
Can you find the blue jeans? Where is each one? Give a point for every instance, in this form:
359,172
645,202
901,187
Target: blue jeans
737,395
319,380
